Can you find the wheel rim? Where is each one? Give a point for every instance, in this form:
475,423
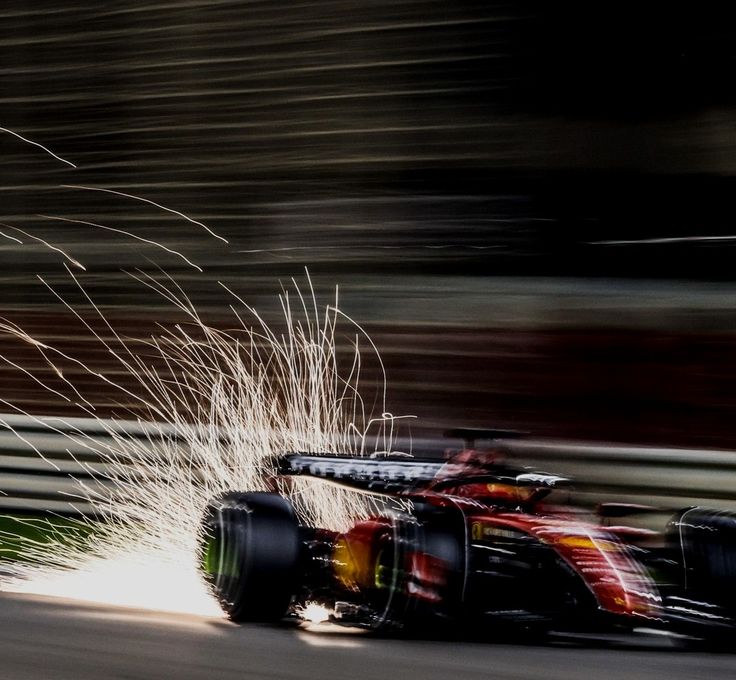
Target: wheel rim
223,558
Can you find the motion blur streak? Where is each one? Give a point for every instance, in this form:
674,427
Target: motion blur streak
81,639
445,162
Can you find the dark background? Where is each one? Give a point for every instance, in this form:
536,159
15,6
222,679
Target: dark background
529,204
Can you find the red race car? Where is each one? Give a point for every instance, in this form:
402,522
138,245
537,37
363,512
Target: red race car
477,546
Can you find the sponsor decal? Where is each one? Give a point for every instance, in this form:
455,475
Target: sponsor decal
481,530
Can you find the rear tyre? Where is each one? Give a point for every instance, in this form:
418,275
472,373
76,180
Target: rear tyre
704,541
249,552
417,569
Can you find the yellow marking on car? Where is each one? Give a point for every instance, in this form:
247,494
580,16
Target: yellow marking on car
578,542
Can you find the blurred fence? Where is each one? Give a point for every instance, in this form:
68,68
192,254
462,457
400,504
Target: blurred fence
41,469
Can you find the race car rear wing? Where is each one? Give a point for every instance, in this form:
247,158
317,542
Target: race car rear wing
395,474
376,475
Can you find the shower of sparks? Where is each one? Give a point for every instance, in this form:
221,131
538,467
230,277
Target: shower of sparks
149,202
219,407
314,612
36,144
141,578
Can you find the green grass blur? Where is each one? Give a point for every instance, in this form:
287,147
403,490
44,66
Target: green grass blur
21,536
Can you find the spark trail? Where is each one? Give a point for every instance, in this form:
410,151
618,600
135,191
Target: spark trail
148,202
46,244
216,407
36,144
124,233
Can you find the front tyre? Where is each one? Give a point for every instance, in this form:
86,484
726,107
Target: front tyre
249,552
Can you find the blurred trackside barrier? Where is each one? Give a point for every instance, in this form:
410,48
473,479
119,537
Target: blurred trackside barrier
41,469
665,477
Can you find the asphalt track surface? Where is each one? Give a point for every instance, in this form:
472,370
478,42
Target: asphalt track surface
44,638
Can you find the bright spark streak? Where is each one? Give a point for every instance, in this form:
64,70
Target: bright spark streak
64,254
40,146
125,233
314,612
10,238
149,202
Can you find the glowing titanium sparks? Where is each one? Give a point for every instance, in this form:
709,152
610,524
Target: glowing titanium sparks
66,255
40,146
149,202
314,612
125,233
214,410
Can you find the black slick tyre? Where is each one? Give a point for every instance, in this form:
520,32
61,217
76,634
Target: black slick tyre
249,552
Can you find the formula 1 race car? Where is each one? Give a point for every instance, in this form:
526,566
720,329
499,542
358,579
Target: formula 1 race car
480,549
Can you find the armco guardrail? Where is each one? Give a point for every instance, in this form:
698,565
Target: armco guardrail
41,469
601,472
667,477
